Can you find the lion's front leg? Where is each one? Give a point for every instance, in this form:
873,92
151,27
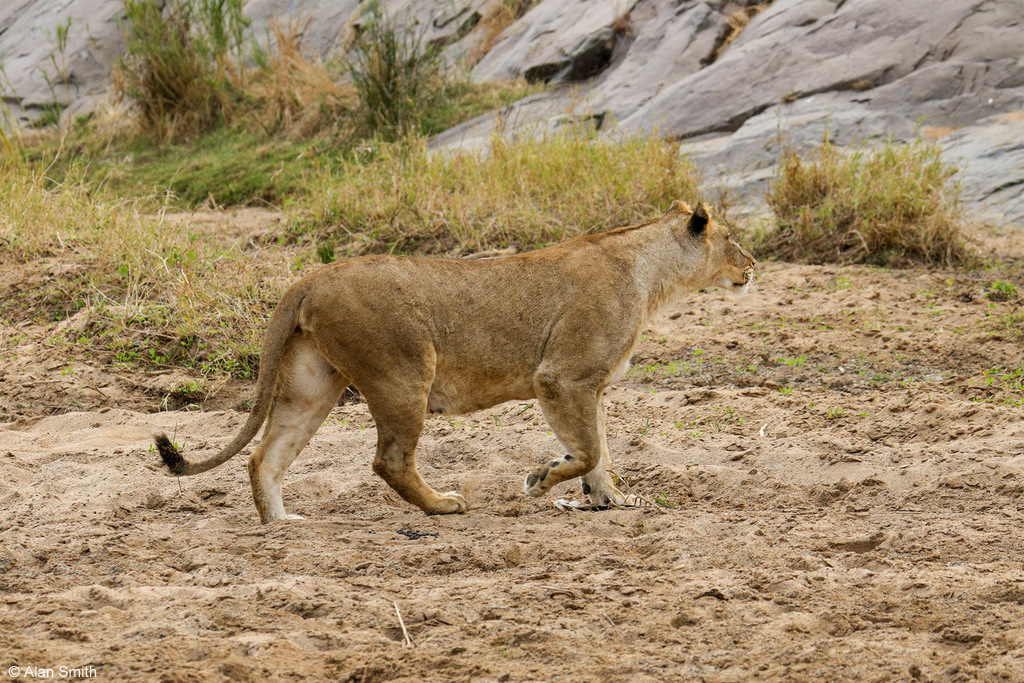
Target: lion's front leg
598,485
576,416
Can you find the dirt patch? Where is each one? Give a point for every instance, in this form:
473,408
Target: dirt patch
838,461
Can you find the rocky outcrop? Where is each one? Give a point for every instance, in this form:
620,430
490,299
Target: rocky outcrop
860,69
991,153
40,75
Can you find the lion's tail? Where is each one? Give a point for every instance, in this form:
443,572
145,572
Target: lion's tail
282,324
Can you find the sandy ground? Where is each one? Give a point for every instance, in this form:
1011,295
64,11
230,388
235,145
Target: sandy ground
836,461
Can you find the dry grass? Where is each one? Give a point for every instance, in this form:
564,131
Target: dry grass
293,96
736,21
492,25
524,192
892,204
145,293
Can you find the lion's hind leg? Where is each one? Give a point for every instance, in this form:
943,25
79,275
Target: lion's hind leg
399,413
308,387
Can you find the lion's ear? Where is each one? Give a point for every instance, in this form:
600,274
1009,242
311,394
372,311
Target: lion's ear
699,220
679,206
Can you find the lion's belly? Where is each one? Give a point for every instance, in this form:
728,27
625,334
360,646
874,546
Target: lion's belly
457,392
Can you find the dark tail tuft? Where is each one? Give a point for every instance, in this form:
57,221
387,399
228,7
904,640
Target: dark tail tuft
170,455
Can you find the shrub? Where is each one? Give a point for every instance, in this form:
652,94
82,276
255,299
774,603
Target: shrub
178,65
524,191
195,65
894,204
396,76
293,96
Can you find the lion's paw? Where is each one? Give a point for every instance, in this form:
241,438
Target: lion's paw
628,501
281,518
450,503
536,483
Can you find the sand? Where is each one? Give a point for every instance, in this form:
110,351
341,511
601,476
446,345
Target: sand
835,465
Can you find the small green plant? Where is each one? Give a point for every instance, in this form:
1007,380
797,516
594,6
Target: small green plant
786,391
325,251
1000,290
664,501
834,413
1013,324
179,446
189,392
51,111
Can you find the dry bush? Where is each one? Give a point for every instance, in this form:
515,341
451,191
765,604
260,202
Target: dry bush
178,69
194,65
292,95
892,204
526,192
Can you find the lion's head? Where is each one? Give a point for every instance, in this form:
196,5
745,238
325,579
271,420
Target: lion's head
726,263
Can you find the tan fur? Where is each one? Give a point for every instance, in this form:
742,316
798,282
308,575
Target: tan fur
418,335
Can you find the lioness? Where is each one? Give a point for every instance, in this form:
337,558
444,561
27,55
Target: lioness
452,336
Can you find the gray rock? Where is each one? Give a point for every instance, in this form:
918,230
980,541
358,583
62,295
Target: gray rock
991,153
554,41
461,27
862,45
742,163
38,75
862,68
324,23
663,42
37,71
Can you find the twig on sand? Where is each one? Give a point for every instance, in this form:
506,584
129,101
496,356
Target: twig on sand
401,622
